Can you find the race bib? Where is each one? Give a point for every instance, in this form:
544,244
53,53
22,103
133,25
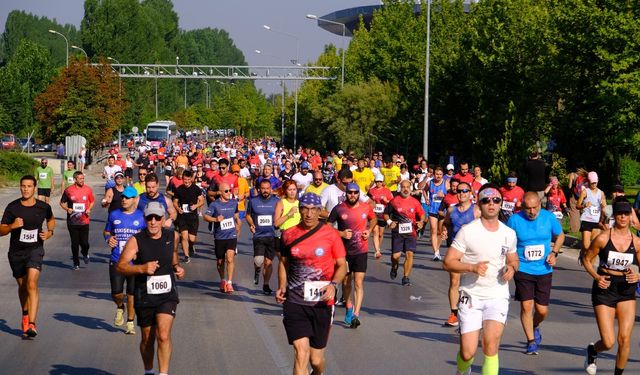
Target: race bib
264,220
533,252
464,300
168,167
121,245
378,209
437,199
227,224
594,210
404,228
508,206
158,284
619,261
29,236
43,175
558,215
70,180
185,208
312,292
78,207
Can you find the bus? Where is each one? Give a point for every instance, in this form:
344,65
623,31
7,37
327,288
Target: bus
159,131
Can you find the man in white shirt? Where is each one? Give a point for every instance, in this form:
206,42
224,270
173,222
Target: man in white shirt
303,178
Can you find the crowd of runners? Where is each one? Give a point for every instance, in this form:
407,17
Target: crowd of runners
314,217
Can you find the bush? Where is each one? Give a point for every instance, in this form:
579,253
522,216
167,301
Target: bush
629,171
14,165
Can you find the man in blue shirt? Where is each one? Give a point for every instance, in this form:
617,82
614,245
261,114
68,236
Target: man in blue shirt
223,212
121,225
260,211
535,228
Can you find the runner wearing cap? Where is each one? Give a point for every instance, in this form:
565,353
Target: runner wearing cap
151,256
449,172
303,178
77,200
112,195
109,172
46,181
381,196
614,284
403,215
121,225
312,264
355,221
484,253
592,202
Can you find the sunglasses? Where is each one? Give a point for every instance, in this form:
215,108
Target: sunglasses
495,200
226,191
142,174
353,192
123,197
463,190
317,179
153,217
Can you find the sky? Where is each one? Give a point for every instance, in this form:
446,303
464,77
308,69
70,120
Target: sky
242,19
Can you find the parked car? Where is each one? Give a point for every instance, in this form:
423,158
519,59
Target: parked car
44,148
27,145
8,142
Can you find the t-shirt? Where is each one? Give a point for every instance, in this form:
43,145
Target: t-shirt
26,237
110,171
310,260
534,240
230,178
186,197
67,177
510,199
44,176
243,190
261,211
391,176
357,219
364,179
377,194
478,245
468,178
303,180
406,211
317,190
332,196
225,229
78,198
123,226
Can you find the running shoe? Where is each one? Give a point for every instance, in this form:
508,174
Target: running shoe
75,267
340,302
348,317
394,272
590,362
406,281
532,349
223,286
467,372
31,331
355,322
25,323
119,319
187,259
452,321
266,290
256,276
537,336
436,257
131,329
86,259
229,288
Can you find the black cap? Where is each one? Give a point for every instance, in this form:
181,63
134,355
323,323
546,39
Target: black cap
621,207
618,189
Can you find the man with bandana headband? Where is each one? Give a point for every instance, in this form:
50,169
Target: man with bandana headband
512,195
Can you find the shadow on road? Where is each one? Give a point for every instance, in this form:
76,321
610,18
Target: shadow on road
70,370
432,336
85,322
94,295
57,263
5,328
404,315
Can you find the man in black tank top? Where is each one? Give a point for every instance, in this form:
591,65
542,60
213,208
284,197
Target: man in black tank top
155,268
112,195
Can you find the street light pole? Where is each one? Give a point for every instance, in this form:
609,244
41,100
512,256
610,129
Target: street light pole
120,98
83,51
425,141
207,94
65,40
344,31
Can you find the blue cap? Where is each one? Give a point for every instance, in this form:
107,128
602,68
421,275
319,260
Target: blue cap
310,200
304,165
352,186
130,192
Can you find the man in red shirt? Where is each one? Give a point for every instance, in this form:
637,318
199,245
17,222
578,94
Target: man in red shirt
225,176
381,196
311,266
355,223
464,175
77,200
512,195
403,215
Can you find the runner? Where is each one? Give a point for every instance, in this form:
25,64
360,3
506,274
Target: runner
464,175
186,200
437,189
121,225
614,285
318,185
484,253
223,213
67,175
23,218
381,196
535,229
142,175
403,215
334,194
592,203
457,216
152,257
312,264
260,217
77,200
112,195
109,172
303,178
152,194
556,201
355,223
286,213
46,181
363,176
511,197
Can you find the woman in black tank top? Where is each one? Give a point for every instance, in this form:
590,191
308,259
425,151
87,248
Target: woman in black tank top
614,286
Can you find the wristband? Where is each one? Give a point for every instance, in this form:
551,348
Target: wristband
555,253
106,237
333,283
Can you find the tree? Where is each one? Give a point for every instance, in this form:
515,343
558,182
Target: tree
83,101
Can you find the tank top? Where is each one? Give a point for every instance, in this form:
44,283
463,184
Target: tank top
460,218
591,214
434,199
612,259
116,202
292,221
151,291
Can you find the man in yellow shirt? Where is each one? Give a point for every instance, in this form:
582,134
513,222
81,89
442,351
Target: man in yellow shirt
391,175
337,160
363,176
317,185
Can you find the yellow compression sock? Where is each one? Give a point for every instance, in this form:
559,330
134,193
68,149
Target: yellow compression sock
491,365
462,364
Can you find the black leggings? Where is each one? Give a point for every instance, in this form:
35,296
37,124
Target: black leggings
79,239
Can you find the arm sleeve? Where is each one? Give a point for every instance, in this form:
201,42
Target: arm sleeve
333,216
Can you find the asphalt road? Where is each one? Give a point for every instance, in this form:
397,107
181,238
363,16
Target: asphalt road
401,332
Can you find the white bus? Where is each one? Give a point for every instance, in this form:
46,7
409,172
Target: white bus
159,131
